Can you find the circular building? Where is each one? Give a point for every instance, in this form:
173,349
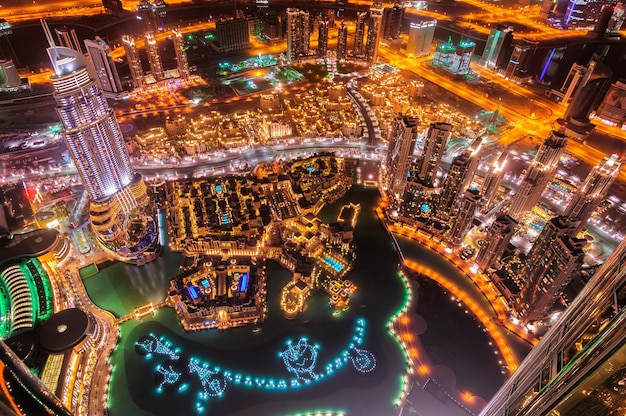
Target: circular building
64,330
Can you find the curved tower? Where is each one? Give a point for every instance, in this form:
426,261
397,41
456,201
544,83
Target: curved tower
97,148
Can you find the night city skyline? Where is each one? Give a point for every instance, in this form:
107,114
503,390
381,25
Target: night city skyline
313,208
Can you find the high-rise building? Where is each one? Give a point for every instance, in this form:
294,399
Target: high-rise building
547,278
444,54
342,42
572,82
613,106
359,34
493,179
392,21
420,37
465,215
459,177
374,29
154,59
496,241
498,47
67,37
593,191
518,67
100,55
617,19
134,62
181,54
578,367
402,138
298,34
535,262
152,15
434,147
539,173
322,39
463,57
98,150
232,34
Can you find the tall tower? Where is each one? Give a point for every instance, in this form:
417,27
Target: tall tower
493,179
154,59
463,222
322,42
498,237
578,367
402,138
373,32
97,148
100,55
392,21
134,62
517,68
460,175
539,173
359,34
421,37
298,34
617,19
498,42
593,191
434,148
232,34
181,54
342,42
536,263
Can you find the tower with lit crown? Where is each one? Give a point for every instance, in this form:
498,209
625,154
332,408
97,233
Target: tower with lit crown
540,172
134,62
298,34
98,150
181,54
493,179
154,59
434,147
593,191
100,55
373,31
402,138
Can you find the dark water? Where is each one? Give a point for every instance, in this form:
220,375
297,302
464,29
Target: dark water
380,293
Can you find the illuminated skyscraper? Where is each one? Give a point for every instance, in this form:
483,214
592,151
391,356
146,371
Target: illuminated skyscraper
496,241
463,57
579,366
617,19
493,179
322,42
420,37
540,270
593,191
434,147
134,62
498,47
67,37
342,41
154,59
181,54
298,34
392,21
402,138
100,55
613,106
373,31
518,67
465,215
459,177
98,150
539,173
359,34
